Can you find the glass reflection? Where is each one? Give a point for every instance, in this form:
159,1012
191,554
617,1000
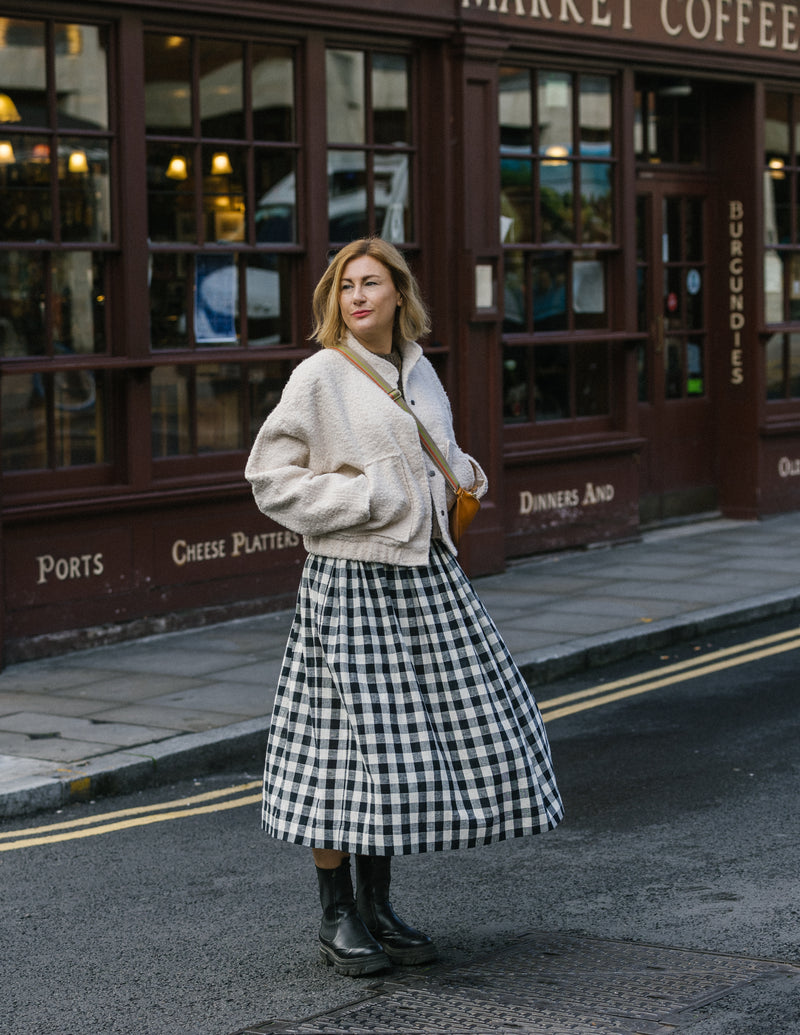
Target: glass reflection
224,191
170,281
390,113
170,193
591,380
551,382
168,84
272,86
26,211
80,71
78,299
84,189
596,202
516,111
550,292
22,304
169,409
347,195
344,92
515,385
221,65
219,417
268,304
556,204
276,190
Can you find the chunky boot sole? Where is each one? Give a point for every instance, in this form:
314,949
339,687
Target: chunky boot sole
356,967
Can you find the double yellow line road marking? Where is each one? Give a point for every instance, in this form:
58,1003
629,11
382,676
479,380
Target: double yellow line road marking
124,819
680,672
554,708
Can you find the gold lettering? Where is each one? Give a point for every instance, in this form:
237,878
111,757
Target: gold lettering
603,20
766,13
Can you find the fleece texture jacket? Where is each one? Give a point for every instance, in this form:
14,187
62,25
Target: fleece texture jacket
341,464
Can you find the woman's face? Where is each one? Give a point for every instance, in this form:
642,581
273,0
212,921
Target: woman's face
368,301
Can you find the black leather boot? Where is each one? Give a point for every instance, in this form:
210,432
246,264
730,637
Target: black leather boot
401,943
344,942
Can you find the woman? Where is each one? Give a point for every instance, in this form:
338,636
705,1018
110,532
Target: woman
401,723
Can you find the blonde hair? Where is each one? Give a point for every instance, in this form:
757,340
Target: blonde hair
411,321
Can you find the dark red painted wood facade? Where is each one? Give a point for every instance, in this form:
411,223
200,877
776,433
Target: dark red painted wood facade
157,545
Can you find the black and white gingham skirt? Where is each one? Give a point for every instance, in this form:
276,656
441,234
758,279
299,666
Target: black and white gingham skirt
401,723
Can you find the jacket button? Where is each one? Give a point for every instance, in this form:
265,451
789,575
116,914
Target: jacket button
413,403
431,474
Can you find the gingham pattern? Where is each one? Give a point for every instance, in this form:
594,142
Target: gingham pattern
401,723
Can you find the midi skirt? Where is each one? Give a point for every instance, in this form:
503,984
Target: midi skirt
401,723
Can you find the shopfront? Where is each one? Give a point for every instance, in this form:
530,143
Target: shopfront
599,197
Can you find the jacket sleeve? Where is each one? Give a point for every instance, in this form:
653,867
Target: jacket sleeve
295,482
467,470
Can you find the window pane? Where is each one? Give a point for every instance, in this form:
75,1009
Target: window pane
276,199
80,407
673,368
515,386
591,380
219,417
224,190
170,282
550,293
23,73
22,303
25,207
169,407
85,195
273,94
556,215
694,230
551,376
596,203
24,422
516,114
344,73
78,303
265,383
773,287
775,371
390,115
589,292
216,298
168,84
794,286
80,65
594,111
269,300
221,88
794,365
514,294
776,128
695,369
347,195
516,200
554,102
392,217
170,193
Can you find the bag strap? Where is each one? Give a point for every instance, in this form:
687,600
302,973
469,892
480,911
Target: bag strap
428,444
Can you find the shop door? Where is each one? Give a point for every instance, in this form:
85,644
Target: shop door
678,470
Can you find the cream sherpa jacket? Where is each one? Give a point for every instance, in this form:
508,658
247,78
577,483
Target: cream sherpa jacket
340,463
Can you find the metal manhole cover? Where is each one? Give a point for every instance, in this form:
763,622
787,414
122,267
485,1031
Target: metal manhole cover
545,984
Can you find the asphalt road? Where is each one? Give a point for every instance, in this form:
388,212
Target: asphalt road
682,830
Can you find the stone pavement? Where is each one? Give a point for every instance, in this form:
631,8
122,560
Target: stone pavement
114,719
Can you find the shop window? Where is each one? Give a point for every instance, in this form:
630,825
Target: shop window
222,164
56,242
782,244
557,226
668,120
370,146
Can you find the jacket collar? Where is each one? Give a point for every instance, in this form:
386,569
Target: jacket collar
409,350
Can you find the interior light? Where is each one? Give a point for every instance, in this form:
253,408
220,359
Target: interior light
221,164
777,168
6,153
177,170
555,155
78,162
8,110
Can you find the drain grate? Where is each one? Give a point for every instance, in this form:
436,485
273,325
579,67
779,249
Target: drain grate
548,985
